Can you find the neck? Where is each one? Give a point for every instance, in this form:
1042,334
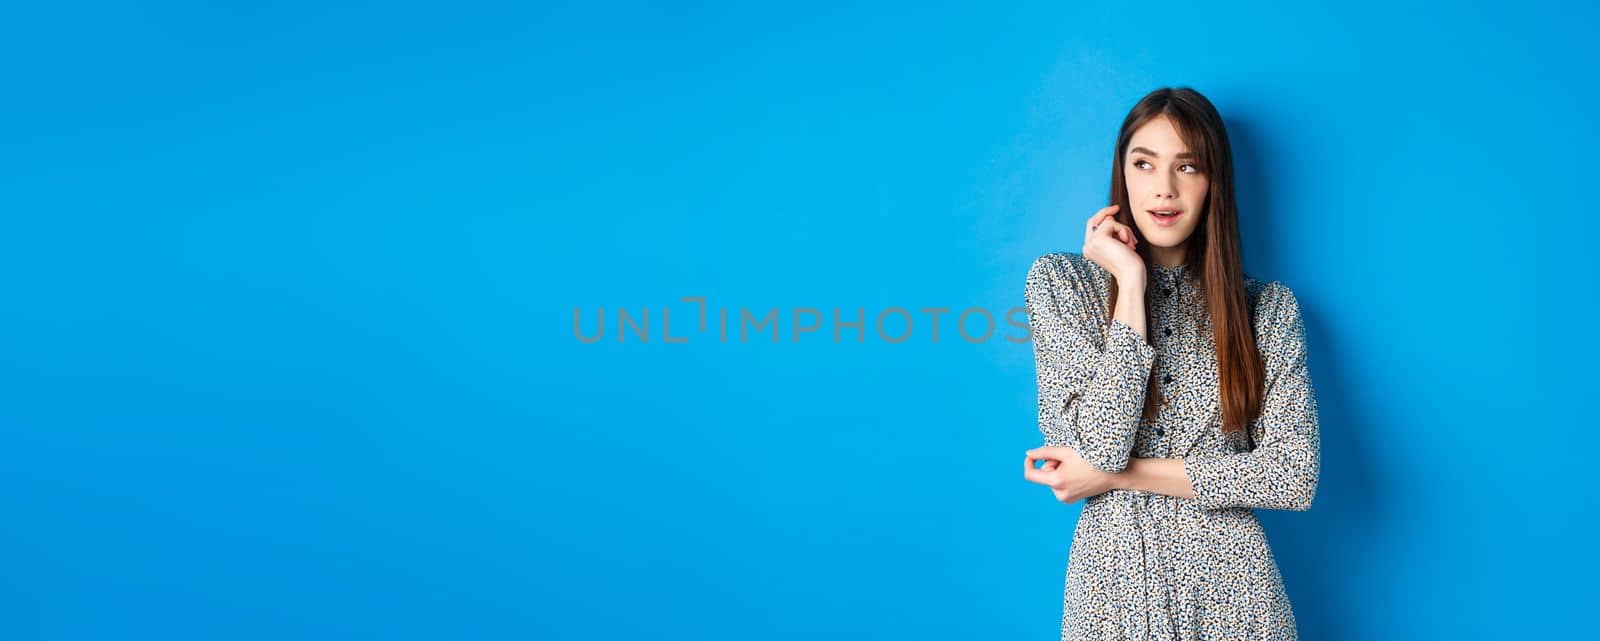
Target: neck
1167,256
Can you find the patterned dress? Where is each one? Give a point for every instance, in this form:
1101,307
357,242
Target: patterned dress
1149,566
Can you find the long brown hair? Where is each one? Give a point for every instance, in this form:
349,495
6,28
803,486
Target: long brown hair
1212,251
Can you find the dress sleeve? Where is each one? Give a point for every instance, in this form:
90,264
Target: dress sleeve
1281,472
1091,376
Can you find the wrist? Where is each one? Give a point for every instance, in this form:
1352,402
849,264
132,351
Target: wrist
1131,278
1123,480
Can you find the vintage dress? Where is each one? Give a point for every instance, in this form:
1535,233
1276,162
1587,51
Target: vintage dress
1149,566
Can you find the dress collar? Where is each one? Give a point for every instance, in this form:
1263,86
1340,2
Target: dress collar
1168,274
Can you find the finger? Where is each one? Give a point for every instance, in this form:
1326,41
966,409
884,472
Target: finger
1106,227
1102,215
1119,231
1048,453
1028,471
1038,477
1124,234
1096,224
1109,229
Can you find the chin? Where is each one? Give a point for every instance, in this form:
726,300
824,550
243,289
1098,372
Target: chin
1165,238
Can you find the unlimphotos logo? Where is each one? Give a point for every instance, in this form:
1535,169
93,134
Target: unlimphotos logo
747,324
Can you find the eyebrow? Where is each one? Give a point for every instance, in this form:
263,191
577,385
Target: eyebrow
1142,150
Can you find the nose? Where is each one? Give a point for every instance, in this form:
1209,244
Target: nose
1168,188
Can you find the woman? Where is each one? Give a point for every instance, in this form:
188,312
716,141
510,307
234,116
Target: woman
1173,396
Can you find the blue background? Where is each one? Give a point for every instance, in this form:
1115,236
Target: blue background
289,296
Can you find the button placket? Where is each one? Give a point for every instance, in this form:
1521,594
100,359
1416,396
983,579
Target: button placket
1166,316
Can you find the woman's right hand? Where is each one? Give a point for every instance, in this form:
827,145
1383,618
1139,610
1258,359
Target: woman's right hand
1111,245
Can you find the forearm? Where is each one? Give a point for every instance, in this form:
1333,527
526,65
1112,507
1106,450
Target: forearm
1112,401
1103,411
1159,475
1092,377
1130,304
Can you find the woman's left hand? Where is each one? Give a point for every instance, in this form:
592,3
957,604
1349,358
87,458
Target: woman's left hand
1066,474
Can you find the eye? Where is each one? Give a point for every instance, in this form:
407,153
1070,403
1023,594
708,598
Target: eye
1193,168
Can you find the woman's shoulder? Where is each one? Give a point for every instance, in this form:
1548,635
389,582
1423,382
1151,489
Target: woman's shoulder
1066,266
1254,288
1069,275
1271,300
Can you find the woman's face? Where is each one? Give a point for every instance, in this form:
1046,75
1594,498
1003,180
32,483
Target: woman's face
1161,175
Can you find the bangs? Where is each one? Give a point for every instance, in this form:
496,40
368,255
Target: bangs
1194,136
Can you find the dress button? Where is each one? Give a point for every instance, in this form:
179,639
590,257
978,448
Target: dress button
1158,431
1168,331
1166,292
1167,378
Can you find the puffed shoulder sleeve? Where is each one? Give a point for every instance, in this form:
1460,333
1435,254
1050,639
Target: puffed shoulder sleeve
1281,472
1091,374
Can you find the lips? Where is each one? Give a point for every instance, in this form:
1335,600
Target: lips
1165,217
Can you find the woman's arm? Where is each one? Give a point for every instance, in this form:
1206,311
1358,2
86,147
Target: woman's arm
1090,395
1159,475
1281,472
